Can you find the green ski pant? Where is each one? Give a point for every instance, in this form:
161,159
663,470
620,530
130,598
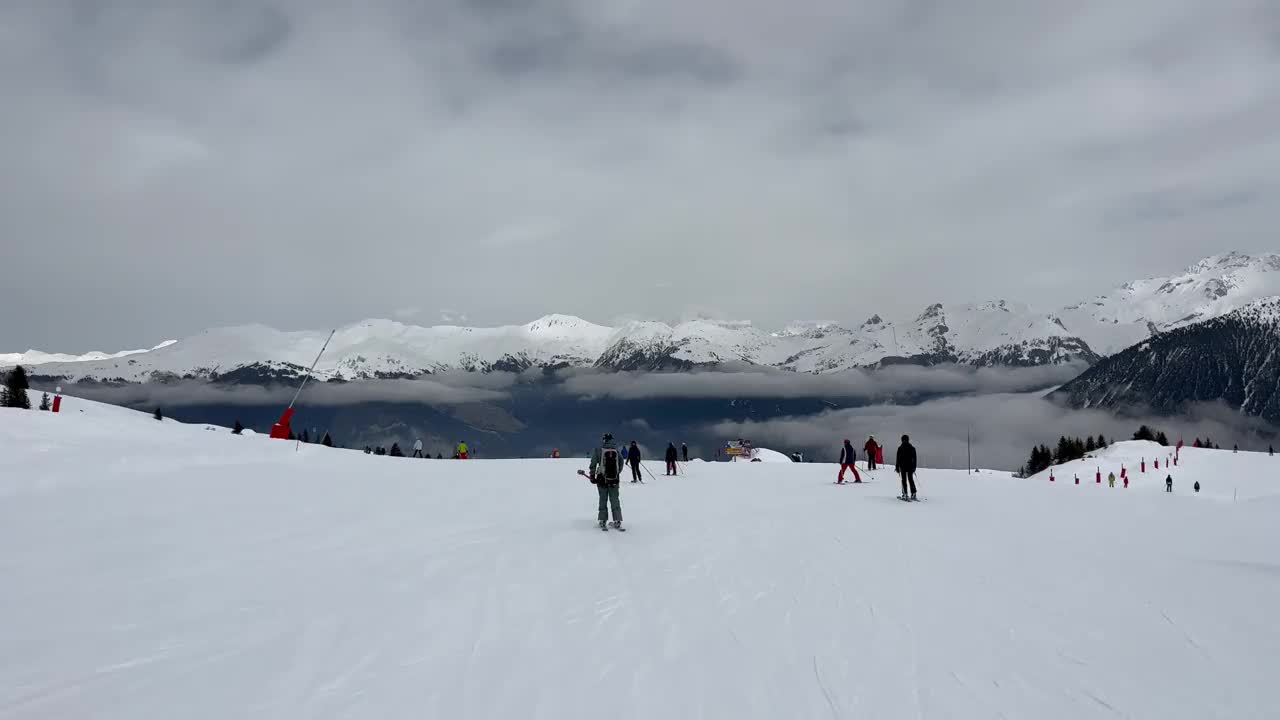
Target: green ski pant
609,497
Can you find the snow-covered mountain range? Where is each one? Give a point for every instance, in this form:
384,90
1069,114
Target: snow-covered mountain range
1211,288
1232,358
38,357
996,333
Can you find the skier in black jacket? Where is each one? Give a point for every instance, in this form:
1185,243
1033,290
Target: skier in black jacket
905,466
684,452
672,456
633,459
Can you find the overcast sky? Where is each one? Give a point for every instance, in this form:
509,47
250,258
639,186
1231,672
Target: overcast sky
167,166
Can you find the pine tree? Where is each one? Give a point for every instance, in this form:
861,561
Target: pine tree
292,436
1197,443
1033,462
1144,433
158,415
1162,438
15,390
45,404
1041,458
327,441
305,437
237,429
1271,450
1090,445
1102,442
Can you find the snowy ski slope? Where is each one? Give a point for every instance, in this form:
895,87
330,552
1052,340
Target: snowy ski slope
158,571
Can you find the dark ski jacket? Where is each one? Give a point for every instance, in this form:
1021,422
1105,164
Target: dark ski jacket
870,447
671,453
847,454
597,464
633,454
906,460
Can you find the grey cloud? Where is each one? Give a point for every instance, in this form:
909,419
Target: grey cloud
856,384
428,392
1003,428
180,165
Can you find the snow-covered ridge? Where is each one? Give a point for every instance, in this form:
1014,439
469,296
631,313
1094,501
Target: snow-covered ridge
37,357
1207,289
992,333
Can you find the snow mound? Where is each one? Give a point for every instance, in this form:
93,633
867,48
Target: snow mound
771,456
160,570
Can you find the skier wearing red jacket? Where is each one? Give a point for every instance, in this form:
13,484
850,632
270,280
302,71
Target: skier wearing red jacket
871,447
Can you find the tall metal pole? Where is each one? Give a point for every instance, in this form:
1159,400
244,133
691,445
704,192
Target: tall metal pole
312,368
968,451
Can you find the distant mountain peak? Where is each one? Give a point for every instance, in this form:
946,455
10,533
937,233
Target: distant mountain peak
1235,260
931,312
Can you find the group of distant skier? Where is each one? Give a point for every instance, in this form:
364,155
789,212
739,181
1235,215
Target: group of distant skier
605,471
904,464
462,452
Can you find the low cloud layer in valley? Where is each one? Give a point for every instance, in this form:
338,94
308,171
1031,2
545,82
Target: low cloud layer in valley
1001,426
1003,410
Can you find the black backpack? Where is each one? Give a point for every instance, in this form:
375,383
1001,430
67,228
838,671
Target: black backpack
610,465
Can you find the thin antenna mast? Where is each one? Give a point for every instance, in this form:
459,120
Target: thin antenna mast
310,370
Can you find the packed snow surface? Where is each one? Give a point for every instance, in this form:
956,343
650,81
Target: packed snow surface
153,570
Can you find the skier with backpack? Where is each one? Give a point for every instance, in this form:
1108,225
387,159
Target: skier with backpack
905,466
606,475
848,458
671,459
633,459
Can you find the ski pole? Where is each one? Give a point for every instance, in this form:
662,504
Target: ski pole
648,472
